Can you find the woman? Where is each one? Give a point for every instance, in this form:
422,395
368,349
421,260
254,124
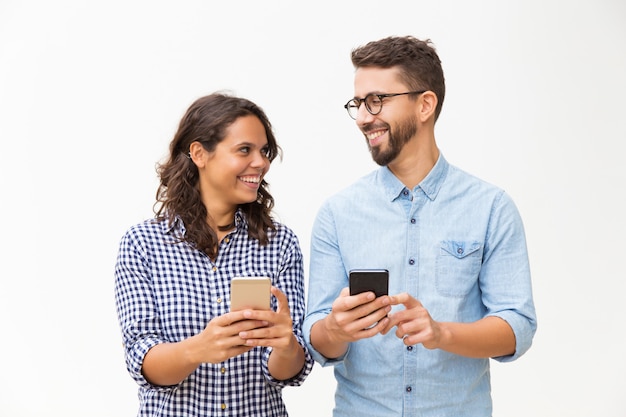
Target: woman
190,354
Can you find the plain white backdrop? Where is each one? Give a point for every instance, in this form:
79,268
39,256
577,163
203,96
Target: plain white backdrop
92,92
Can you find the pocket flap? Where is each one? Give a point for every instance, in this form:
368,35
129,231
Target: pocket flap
460,249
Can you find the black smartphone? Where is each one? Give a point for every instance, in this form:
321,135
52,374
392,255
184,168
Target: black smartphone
376,280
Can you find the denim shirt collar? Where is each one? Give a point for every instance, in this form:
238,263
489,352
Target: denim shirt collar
430,185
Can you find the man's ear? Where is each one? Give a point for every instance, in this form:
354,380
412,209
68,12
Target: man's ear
197,154
428,105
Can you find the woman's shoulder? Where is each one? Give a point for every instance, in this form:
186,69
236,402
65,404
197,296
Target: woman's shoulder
283,229
146,229
283,235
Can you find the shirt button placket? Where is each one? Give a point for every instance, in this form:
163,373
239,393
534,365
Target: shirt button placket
410,372
410,352
223,373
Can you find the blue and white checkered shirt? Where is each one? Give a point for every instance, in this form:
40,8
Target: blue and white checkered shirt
167,291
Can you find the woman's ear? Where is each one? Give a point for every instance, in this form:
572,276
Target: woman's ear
428,105
197,154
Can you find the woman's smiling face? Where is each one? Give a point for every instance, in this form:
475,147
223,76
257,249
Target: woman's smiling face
233,172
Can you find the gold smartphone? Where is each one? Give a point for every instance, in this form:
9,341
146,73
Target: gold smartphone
250,292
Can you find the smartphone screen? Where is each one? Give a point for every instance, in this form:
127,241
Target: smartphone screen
376,280
250,292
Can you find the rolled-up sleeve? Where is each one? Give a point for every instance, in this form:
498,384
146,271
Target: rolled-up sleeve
136,313
505,278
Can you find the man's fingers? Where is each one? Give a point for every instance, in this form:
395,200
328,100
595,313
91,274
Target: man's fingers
349,302
407,300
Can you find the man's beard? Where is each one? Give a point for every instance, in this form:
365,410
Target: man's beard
405,131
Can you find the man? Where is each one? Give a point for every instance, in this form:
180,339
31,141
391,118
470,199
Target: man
459,279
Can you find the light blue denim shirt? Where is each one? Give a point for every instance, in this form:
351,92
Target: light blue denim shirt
455,243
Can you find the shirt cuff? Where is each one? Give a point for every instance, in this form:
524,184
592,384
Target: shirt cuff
297,379
134,362
318,357
524,330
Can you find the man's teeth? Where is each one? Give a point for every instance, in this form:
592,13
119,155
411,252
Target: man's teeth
255,180
374,135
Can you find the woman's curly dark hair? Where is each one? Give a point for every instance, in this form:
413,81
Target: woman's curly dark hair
206,121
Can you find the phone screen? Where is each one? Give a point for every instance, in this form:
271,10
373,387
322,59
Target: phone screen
376,280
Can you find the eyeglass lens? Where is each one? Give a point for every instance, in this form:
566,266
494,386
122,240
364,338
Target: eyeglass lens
373,104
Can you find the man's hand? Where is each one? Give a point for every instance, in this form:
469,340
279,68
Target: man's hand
353,317
414,324
488,337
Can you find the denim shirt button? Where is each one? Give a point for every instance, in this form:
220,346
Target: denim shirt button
409,348
459,251
412,221
409,389
411,261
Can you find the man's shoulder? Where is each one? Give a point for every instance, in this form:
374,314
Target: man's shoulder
462,178
364,184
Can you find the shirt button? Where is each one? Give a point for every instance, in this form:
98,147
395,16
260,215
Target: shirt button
223,406
459,251
409,389
223,370
219,300
409,348
226,240
412,262
405,192
214,268
412,221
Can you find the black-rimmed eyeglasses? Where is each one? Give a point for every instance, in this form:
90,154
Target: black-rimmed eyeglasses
373,102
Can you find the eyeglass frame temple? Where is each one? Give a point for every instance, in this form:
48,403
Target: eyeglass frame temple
380,97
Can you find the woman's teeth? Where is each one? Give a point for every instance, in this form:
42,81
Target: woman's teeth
255,180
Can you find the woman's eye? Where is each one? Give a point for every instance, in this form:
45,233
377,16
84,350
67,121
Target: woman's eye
245,149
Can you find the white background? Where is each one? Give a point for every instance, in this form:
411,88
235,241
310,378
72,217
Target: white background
92,92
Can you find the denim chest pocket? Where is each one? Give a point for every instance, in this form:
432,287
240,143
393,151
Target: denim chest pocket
458,266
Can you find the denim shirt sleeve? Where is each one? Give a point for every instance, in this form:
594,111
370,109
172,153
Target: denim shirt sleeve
324,287
505,275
